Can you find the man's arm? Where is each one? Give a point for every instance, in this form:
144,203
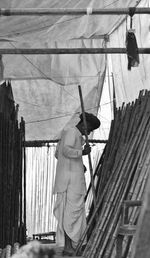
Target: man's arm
69,149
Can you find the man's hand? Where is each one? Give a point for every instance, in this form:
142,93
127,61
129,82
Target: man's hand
86,150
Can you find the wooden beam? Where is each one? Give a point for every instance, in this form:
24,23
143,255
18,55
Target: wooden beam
62,51
70,11
40,143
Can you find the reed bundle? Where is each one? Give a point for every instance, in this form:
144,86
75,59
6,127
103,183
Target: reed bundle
11,159
122,174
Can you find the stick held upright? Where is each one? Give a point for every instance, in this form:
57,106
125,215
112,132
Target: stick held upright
87,143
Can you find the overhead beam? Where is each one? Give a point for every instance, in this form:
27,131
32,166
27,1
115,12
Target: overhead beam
62,51
70,11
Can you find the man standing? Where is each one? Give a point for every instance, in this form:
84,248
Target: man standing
70,185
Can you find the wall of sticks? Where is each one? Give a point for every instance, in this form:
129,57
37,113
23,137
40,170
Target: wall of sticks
121,175
12,171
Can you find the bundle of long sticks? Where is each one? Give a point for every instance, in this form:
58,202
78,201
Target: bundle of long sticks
11,158
121,176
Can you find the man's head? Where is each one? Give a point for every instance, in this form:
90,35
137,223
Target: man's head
92,122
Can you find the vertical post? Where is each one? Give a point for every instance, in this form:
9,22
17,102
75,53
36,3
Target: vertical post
24,171
87,142
114,95
20,183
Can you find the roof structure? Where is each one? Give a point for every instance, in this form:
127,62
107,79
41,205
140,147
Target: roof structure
46,86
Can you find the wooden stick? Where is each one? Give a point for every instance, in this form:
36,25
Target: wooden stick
94,213
103,193
70,11
126,185
64,51
100,242
17,182
4,182
40,143
115,214
87,143
1,177
134,214
20,183
24,174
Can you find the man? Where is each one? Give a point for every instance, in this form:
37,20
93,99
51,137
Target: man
70,184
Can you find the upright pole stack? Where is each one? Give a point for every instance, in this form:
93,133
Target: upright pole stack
11,159
121,175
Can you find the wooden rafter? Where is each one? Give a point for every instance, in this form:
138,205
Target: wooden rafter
62,51
71,11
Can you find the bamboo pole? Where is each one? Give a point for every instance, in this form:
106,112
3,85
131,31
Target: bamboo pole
139,153
111,225
40,143
107,214
17,181
142,164
112,151
106,211
139,124
103,193
71,11
1,178
20,183
143,140
67,51
9,181
127,185
24,175
122,128
101,173
9,178
87,143
4,183
14,181
134,214
94,214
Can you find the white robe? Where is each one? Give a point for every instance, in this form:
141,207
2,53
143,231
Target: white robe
70,187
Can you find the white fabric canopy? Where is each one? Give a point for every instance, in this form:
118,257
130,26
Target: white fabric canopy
45,87
48,105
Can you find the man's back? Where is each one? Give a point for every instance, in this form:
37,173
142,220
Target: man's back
70,165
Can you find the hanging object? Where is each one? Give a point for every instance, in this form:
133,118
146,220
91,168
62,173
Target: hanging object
131,44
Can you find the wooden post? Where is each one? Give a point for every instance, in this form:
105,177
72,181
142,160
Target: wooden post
87,143
24,174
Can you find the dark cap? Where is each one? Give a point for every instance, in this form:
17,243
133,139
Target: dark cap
91,119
